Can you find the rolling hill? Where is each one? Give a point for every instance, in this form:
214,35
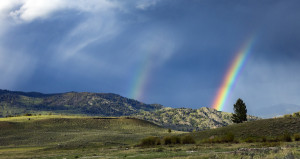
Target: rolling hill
57,136
56,131
100,104
111,105
260,128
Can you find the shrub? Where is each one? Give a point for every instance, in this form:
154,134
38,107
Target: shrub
188,140
158,142
167,140
171,140
297,137
296,115
274,139
287,116
286,137
175,140
207,141
229,137
27,114
150,141
263,139
249,140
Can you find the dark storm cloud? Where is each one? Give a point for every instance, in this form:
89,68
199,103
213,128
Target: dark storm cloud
100,45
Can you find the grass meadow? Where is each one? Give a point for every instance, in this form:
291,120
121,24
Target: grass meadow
58,136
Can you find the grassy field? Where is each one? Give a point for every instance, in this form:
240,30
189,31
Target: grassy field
56,136
235,151
54,132
261,128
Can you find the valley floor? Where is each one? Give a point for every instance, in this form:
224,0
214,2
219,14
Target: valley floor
94,137
254,150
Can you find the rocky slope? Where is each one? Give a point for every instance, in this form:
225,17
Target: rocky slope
185,119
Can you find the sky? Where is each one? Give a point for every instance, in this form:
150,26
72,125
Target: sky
172,52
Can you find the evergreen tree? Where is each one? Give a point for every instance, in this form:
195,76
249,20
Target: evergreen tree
240,112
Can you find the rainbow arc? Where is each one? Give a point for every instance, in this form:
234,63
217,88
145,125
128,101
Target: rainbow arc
231,75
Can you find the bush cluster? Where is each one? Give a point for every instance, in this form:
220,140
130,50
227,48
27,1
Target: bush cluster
27,114
294,115
227,138
250,139
287,116
188,140
171,140
151,141
274,139
255,139
167,140
286,137
297,137
263,139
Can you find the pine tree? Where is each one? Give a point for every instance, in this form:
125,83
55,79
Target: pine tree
240,112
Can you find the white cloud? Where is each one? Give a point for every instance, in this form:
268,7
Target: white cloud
28,10
7,5
33,9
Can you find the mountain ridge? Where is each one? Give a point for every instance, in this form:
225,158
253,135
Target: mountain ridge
111,105
100,104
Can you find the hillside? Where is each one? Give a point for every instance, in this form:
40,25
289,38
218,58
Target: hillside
111,105
185,119
67,131
264,127
56,136
100,104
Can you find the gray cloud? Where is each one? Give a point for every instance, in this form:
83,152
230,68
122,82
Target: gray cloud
65,45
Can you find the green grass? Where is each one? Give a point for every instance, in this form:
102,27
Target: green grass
266,127
235,151
55,136
70,131
38,117
54,132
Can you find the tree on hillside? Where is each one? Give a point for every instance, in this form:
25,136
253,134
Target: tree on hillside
240,112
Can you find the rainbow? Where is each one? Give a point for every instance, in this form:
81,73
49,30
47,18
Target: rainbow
232,75
140,80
